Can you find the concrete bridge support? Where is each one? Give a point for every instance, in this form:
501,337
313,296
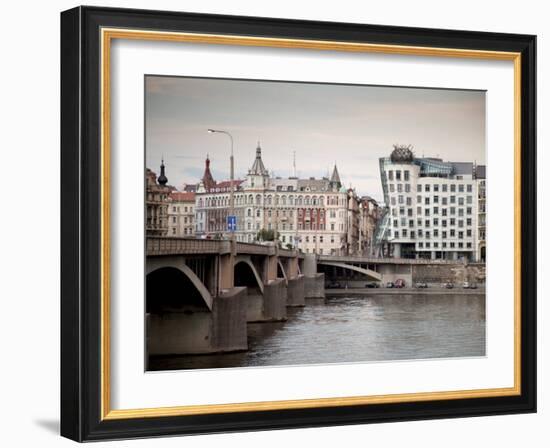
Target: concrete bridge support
314,282
296,292
200,331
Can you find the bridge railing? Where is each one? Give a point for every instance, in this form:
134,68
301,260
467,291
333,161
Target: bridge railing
359,259
176,245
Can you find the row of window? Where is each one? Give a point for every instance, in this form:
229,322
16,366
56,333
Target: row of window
186,209
269,200
432,199
434,222
451,211
444,245
452,233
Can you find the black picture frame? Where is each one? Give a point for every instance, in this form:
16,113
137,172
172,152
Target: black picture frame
81,208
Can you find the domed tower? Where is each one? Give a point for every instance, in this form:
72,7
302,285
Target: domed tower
162,179
402,154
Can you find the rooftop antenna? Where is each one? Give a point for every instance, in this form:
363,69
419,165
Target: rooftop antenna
294,162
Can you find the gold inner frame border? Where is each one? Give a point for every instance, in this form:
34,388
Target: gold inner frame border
107,35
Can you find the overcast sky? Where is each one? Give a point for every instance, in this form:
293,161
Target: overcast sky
323,123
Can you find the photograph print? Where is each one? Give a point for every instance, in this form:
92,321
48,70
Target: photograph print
291,223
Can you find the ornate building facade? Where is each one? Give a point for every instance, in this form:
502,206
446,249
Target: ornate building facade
315,215
156,202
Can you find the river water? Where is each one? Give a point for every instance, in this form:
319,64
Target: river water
363,328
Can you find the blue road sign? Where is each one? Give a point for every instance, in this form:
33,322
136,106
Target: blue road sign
231,223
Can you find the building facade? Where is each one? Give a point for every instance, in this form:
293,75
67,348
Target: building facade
432,207
369,217
156,202
181,214
315,215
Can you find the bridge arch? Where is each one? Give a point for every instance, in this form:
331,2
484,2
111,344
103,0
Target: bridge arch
367,272
244,272
162,273
281,269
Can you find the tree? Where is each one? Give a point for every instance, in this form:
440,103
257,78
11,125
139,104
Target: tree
267,235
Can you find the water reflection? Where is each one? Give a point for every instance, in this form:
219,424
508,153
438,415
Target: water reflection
354,329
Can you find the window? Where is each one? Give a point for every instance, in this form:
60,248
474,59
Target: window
420,244
418,210
436,188
427,188
452,233
406,174
427,223
461,201
444,200
400,188
398,175
436,199
407,188
409,201
461,188
444,188
469,188
426,201
419,188
390,175
453,188
401,199
444,235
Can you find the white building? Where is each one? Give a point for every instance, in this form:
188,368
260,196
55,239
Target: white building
311,214
181,214
432,207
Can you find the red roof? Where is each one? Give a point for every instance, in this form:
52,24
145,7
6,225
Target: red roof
182,196
227,183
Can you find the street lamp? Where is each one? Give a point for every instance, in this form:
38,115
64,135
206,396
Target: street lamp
231,188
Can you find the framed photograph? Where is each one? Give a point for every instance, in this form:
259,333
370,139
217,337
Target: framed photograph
274,223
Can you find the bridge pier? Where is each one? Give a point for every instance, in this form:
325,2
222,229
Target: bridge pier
269,306
189,331
296,292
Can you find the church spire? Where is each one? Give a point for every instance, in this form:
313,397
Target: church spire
162,179
258,167
207,179
335,178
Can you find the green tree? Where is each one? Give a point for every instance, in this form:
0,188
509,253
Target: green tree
267,235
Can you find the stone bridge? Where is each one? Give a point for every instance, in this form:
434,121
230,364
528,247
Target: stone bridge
200,294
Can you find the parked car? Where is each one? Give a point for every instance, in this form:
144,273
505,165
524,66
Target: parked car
420,285
372,285
334,285
448,285
399,283
390,285
466,285
473,286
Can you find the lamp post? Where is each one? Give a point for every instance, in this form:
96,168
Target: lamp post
231,170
